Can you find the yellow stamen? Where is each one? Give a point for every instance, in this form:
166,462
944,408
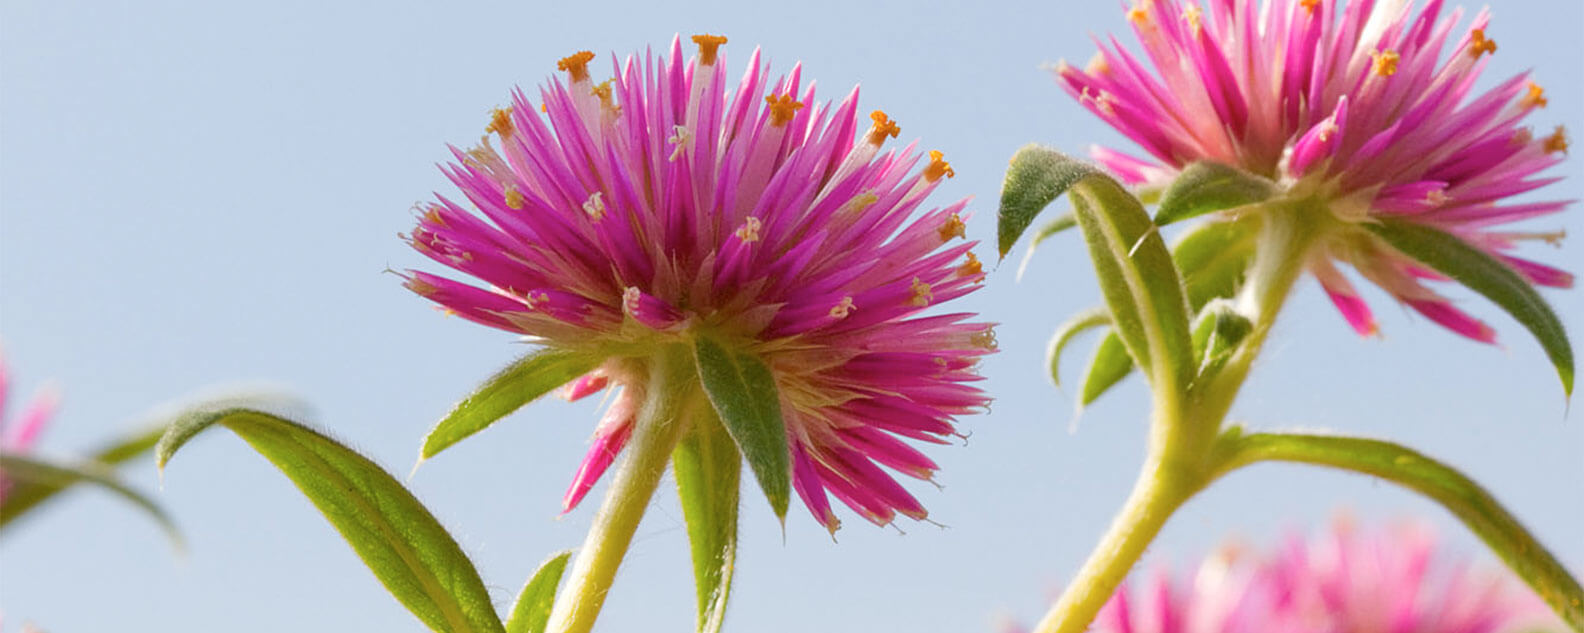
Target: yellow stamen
1310,5
1328,127
1523,136
576,65
500,122
1193,15
514,198
1478,45
595,206
1437,197
954,227
858,203
1139,14
432,216
883,127
1103,101
603,91
782,109
1098,65
707,44
840,310
421,287
921,293
1386,63
749,231
984,339
938,167
535,297
1536,97
681,137
970,268
1557,142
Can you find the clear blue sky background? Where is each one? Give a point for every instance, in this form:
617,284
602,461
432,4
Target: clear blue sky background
199,193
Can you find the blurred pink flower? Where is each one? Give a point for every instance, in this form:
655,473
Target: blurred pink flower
620,216
1356,107
18,437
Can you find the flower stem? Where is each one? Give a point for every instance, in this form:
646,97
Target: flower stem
1475,507
671,388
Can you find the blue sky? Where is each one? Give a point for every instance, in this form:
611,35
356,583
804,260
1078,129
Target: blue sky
198,194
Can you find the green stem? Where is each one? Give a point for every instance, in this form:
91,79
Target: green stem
672,386
1475,507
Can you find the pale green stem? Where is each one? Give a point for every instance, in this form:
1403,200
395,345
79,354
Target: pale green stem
672,387
1475,507
1186,425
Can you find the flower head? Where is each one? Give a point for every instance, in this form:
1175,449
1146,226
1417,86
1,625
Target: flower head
18,436
622,215
1370,108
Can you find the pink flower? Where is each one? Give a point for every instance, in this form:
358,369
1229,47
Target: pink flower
19,438
1343,581
617,216
1357,107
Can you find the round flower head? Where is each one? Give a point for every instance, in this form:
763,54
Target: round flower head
19,437
1341,581
619,216
1370,108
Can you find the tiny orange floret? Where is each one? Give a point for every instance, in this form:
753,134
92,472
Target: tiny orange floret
938,167
500,122
514,198
1536,97
970,268
707,47
1478,45
1310,5
1386,63
922,293
1557,142
1139,14
576,64
782,109
883,127
953,227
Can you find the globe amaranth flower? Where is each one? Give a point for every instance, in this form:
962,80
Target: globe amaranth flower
1370,107
1344,580
19,435
617,216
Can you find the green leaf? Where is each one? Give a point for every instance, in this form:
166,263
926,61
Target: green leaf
395,535
1204,187
1109,366
26,471
532,611
708,467
518,384
1079,323
744,394
1217,334
1447,254
1139,281
25,496
1036,177
1213,258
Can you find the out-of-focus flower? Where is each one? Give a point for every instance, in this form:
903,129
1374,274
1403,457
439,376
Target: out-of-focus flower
1370,108
18,436
614,218
1342,581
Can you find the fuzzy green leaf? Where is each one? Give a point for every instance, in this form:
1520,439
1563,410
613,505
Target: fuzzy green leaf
395,535
1447,254
1109,366
708,467
1139,280
531,614
1204,187
1078,324
1036,177
26,495
744,394
26,471
1213,258
518,384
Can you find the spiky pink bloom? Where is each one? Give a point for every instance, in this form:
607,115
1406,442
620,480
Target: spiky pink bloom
1368,107
20,436
615,217
1342,581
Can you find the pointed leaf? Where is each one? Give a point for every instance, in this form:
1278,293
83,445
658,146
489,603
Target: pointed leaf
1109,366
25,496
1036,177
518,384
744,394
708,467
27,471
1213,258
532,611
1079,323
1204,187
395,535
1139,280
1447,254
